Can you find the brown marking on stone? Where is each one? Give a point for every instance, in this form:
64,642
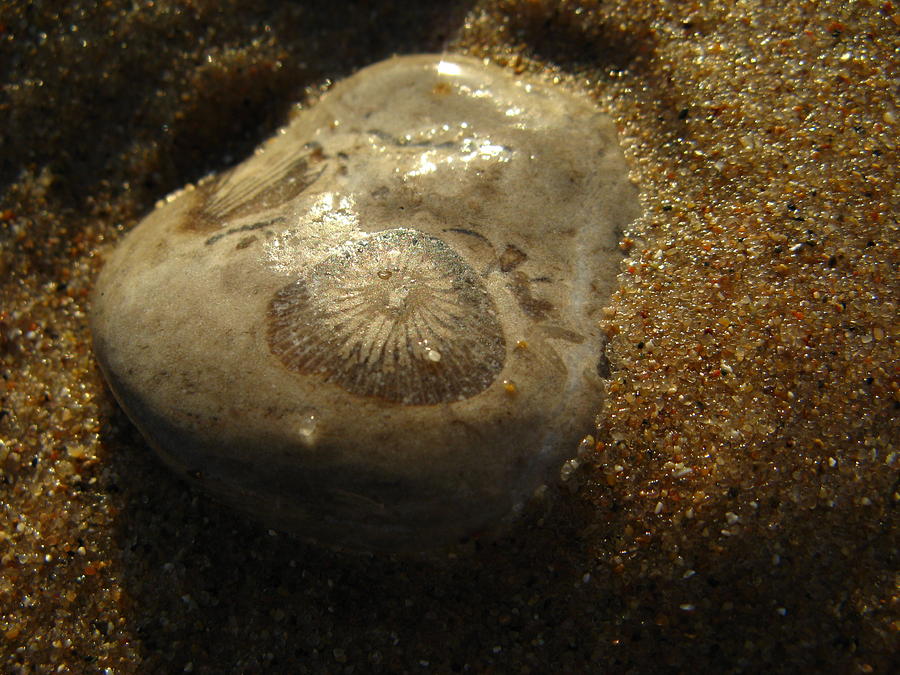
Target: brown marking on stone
442,89
511,258
536,308
316,154
560,333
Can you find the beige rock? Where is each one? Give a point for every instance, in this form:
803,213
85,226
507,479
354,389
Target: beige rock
381,330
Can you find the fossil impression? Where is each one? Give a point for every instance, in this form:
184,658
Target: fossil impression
400,316
381,330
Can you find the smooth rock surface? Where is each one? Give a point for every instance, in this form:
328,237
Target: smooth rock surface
380,331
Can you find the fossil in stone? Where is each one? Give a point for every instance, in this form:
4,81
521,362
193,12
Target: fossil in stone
397,315
381,330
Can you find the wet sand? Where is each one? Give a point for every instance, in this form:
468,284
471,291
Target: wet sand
738,510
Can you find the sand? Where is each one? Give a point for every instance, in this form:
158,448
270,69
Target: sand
736,510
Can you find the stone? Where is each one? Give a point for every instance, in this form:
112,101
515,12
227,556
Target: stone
381,331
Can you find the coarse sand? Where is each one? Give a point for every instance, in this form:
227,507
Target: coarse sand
734,510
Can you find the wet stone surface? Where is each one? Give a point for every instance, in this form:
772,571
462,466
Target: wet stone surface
382,330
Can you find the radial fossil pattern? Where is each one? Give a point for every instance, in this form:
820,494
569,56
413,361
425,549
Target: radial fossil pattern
239,192
397,315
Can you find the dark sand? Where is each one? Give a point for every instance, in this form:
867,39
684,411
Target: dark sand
739,513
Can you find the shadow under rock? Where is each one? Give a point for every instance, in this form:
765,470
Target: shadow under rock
212,591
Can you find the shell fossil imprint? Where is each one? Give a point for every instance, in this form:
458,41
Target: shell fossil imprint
381,330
